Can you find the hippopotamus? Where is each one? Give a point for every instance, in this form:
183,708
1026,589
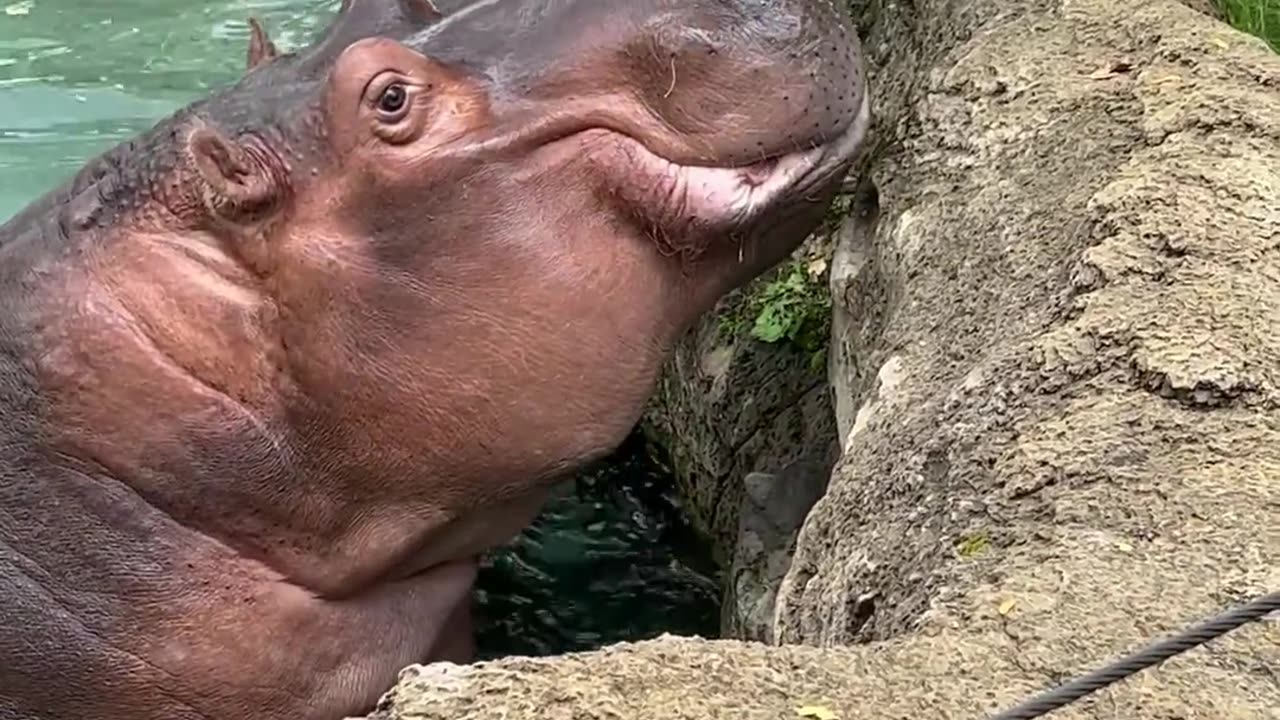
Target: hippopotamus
276,372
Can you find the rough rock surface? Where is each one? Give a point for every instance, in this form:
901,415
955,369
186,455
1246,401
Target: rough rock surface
1057,374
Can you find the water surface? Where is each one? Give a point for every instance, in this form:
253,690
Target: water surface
78,77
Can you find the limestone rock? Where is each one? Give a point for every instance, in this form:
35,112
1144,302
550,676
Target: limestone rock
1061,341
944,676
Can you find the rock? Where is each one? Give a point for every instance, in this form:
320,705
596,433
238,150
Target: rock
1211,8
773,508
947,676
1062,340
1057,366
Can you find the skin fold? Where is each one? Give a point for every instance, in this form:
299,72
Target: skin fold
275,372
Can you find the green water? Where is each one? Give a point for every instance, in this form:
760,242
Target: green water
77,77
609,560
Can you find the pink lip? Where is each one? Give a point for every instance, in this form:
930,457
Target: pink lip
698,195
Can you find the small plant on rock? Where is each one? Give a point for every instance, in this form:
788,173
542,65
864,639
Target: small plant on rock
793,307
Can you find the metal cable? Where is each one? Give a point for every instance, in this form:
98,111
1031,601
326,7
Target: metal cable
1152,655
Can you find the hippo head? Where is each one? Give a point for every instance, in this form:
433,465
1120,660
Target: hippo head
348,318
484,226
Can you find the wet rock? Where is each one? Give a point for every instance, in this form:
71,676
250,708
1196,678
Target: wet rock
727,406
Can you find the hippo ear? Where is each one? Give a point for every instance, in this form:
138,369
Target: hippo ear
421,10
359,19
236,186
261,49
416,10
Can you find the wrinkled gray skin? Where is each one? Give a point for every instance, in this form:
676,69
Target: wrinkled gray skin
275,372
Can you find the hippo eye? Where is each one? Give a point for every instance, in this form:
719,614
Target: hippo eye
393,102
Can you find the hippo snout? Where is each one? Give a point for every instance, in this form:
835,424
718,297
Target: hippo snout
701,82
707,120
736,81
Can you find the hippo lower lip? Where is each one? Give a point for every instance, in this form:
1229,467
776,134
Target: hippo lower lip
680,197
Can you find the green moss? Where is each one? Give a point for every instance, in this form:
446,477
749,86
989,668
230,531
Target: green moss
793,306
1256,17
971,545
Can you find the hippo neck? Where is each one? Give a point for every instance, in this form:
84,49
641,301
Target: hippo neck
155,363
152,358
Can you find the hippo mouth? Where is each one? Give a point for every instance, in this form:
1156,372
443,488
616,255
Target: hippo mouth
684,204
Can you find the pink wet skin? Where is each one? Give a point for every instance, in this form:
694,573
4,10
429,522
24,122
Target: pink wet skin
680,195
276,372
